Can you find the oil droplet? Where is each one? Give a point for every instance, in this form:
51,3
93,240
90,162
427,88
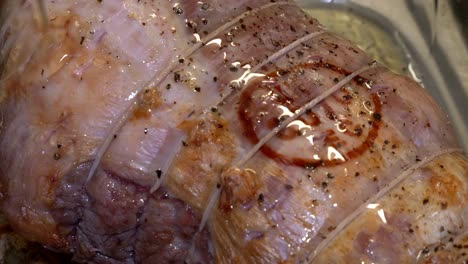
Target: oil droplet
204,6
216,41
177,9
372,206
285,112
382,215
63,57
197,37
369,84
333,154
414,75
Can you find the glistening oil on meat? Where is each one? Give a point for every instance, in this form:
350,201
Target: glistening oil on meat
219,132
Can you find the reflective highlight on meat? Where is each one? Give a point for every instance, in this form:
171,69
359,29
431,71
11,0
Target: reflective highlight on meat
272,94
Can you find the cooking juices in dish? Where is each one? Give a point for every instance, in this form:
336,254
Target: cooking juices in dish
365,34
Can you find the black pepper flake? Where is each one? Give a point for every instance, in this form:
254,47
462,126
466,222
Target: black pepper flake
99,1
425,251
205,6
417,159
377,116
42,72
330,176
233,68
411,230
218,185
357,131
335,80
425,201
59,145
197,89
324,184
443,205
177,10
215,79
192,25
176,77
146,131
356,174
185,144
331,115
159,173
261,198
115,136
204,21
288,187
214,109
168,86
57,156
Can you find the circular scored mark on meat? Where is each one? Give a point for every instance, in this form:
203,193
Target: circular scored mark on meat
340,128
